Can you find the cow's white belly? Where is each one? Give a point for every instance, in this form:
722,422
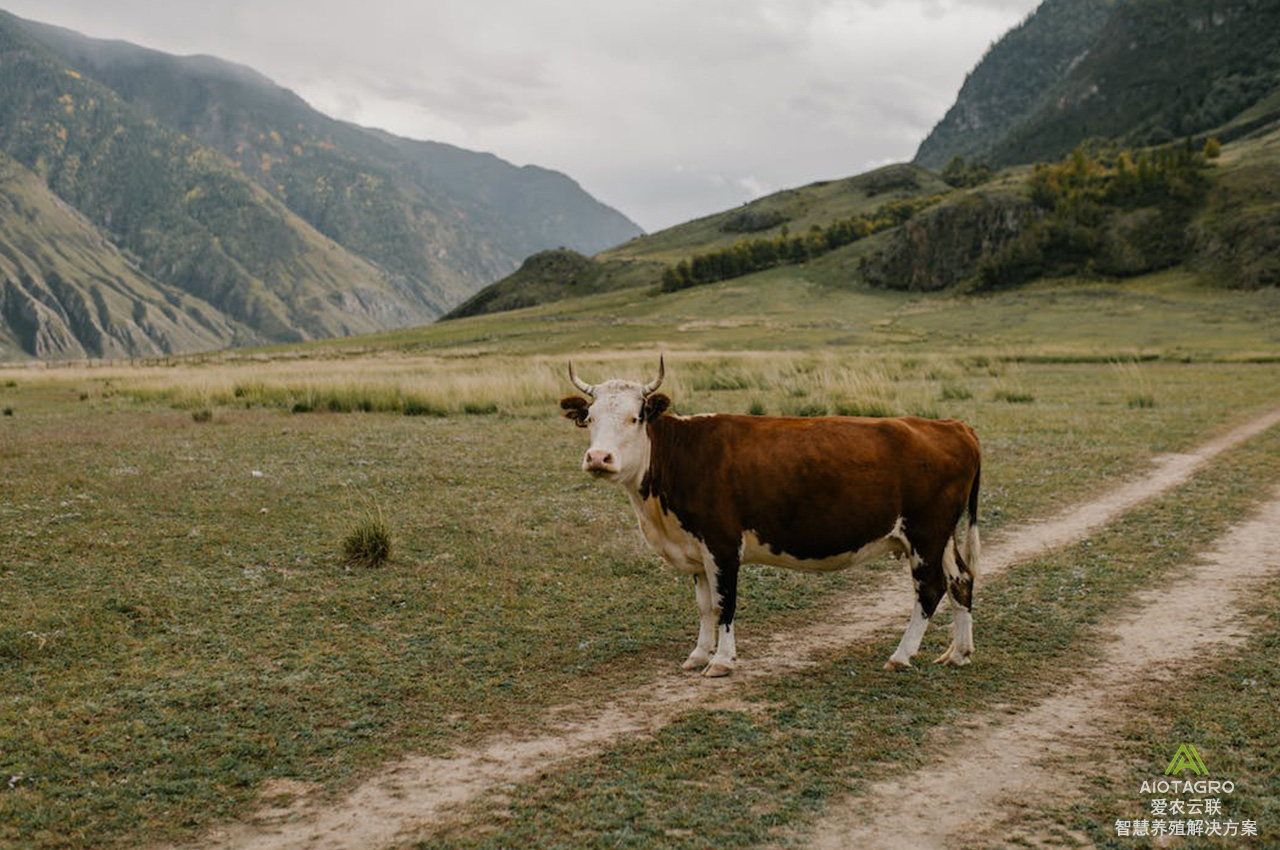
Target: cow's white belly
755,552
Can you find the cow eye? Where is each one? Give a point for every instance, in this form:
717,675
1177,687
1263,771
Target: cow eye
635,419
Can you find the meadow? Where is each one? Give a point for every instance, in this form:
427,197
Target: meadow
180,631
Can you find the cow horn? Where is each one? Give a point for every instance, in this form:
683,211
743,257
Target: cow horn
656,382
580,384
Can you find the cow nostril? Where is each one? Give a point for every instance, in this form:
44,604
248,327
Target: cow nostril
607,459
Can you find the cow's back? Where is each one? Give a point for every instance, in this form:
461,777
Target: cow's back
810,487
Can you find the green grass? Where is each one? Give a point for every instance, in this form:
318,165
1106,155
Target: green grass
758,776
179,630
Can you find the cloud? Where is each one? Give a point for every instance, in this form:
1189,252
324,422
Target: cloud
749,95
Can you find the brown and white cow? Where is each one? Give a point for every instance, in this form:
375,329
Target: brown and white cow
713,492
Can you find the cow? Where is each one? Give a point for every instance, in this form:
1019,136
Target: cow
712,492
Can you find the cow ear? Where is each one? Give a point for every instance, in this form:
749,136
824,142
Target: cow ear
655,405
575,408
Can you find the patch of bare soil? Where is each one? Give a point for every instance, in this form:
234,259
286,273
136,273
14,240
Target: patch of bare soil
409,797
975,790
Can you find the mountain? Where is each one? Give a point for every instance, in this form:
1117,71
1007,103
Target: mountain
1016,78
210,179
1136,72
557,274
65,291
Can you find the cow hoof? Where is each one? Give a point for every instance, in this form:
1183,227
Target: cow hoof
955,660
945,658
893,664
695,661
717,669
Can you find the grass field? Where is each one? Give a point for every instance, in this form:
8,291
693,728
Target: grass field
179,627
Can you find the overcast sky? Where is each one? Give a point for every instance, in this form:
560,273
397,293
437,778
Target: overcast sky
665,109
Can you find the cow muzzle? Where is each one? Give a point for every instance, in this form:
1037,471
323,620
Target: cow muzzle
600,463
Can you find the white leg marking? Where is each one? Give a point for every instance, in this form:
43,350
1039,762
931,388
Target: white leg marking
706,625
957,655
722,662
910,643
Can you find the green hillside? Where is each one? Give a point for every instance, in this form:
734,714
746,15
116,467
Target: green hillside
1105,215
1139,72
642,261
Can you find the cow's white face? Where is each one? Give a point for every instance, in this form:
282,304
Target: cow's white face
616,415
619,447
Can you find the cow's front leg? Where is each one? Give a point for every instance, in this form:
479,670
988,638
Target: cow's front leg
706,624
722,570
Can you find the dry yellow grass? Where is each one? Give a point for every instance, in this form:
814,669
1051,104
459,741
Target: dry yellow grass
787,382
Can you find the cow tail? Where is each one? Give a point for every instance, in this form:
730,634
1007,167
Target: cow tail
972,546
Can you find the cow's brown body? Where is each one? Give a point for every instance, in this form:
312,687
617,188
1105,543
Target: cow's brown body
811,488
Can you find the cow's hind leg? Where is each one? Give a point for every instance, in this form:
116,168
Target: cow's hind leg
706,624
930,584
960,589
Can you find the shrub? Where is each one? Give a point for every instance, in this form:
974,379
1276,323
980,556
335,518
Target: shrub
1142,400
417,407
368,544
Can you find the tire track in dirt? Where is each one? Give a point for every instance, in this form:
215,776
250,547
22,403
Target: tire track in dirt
975,785
407,798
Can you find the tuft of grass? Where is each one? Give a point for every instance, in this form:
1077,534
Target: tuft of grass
368,544
417,407
955,392
757,408
8,411
1134,384
480,408
202,414
1013,396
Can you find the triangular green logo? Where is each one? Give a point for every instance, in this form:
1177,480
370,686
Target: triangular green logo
1186,758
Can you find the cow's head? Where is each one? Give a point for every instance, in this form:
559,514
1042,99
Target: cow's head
616,413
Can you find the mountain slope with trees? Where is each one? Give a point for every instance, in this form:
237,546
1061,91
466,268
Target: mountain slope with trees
790,216
1137,72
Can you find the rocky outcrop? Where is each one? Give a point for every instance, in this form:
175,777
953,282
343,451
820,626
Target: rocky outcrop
945,245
